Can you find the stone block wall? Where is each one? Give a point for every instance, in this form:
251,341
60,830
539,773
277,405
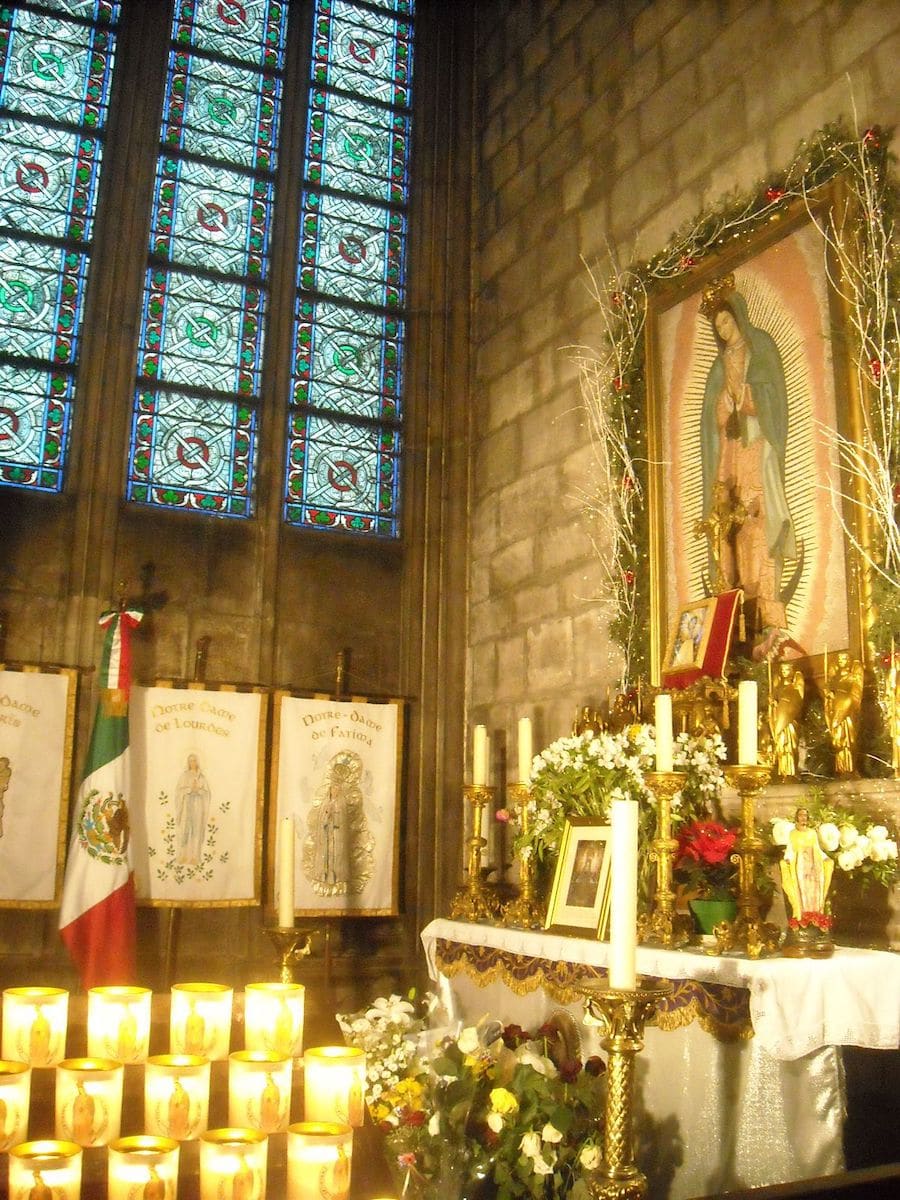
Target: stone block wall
605,125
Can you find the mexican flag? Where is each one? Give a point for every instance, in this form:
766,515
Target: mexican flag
97,914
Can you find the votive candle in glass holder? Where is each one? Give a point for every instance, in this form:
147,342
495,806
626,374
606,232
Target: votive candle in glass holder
200,1019
318,1160
233,1164
35,1020
142,1168
45,1168
273,1017
15,1098
259,1090
89,1100
334,1084
176,1096
119,1023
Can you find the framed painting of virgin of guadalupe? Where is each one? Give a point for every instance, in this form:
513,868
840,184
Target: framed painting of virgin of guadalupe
745,382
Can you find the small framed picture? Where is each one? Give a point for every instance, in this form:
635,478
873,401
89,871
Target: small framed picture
700,639
579,900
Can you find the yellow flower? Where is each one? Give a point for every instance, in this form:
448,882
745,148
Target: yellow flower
503,1101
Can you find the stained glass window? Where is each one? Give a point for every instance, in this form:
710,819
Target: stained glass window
344,433
56,62
196,411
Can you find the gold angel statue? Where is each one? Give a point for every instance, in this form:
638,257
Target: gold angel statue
843,700
786,694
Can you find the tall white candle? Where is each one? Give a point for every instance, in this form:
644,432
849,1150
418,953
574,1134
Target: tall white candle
663,718
479,756
623,848
286,872
747,717
525,749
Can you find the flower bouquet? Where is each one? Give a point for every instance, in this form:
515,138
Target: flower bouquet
490,1107
818,842
579,776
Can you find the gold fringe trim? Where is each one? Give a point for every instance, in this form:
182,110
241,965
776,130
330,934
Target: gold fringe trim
721,1010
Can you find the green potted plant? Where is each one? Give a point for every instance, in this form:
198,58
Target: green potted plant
704,873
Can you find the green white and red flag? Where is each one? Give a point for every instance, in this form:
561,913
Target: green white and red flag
97,915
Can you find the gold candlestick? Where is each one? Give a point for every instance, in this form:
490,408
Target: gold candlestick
747,931
663,926
525,911
621,1015
292,946
473,901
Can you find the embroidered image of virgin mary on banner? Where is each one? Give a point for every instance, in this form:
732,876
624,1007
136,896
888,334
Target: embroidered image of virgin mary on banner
336,774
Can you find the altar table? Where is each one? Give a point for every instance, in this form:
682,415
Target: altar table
740,1083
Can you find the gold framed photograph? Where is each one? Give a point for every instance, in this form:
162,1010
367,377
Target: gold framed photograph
745,377
579,899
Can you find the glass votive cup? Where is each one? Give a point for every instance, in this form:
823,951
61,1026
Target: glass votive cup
15,1097
176,1096
35,1020
318,1160
233,1163
142,1166
89,1100
118,1023
273,1017
200,1019
45,1167
334,1083
259,1090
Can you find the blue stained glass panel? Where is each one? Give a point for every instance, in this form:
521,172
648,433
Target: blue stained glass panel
221,110
34,281
352,249
211,217
201,338
58,70
192,452
47,180
55,69
348,361
353,146
342,476
361,51
249,30
201,332
35,410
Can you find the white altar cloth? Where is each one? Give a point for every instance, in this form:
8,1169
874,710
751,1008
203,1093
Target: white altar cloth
713,1115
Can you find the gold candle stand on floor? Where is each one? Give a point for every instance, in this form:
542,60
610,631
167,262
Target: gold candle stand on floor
621,1015
473,901
747,931
524,911
292,946
663,926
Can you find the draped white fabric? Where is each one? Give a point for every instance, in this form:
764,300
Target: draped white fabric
712,1115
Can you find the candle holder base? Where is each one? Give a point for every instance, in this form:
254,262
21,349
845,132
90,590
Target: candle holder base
670,930
621,1015
292,945
474,903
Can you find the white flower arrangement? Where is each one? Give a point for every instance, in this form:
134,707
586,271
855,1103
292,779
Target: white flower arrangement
855,843
580,775
388,1030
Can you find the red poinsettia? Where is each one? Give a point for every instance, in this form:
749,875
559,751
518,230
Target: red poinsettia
703,865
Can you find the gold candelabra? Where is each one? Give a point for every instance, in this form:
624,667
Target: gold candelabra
474,901
621,1015
747,931
524,911
663,926
292,945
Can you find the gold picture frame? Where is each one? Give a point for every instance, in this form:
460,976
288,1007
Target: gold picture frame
767,459
579,898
